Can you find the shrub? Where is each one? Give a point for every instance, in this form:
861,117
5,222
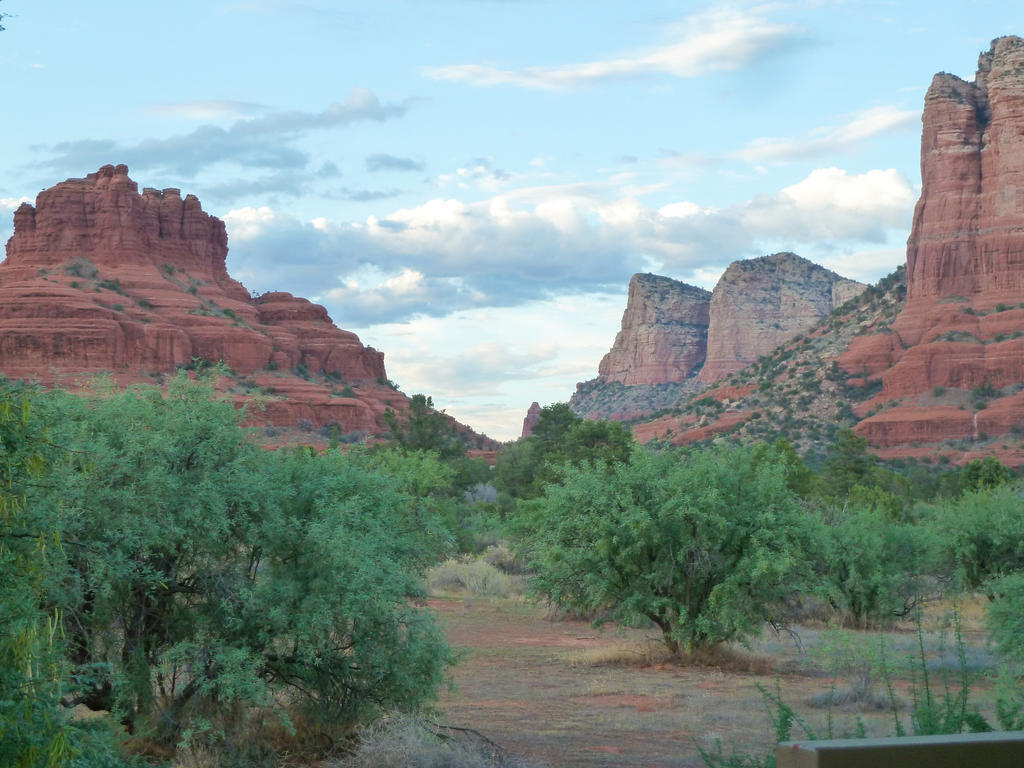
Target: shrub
472,575
111,285
405,741
211,580
81,268
704,545
876,566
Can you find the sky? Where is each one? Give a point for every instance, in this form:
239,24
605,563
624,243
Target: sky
470,184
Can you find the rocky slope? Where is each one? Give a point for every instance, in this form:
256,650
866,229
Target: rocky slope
932,367
677,339
100,278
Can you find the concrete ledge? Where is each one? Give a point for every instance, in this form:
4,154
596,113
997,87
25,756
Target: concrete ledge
1001,749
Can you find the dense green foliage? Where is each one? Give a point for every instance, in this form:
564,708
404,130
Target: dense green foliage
876,566
160,566
422,428
194,582
981,534
704,545
559,439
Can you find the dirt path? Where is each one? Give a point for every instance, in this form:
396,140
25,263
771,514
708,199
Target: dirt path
531,685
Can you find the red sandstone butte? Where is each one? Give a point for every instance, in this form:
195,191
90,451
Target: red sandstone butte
532,417
965,262
100,278
664,333
761,303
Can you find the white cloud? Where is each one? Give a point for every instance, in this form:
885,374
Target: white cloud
10,203
448,255
877,191
866,266
863,125
717,40
248,223
493,357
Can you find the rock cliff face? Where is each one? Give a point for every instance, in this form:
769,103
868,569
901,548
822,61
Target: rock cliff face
930,362
963,320
664,333
532,417
760,303
677,339
100,278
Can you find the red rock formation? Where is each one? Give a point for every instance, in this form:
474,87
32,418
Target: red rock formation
965,262
760,303
101,278
677,339
664,333
532,417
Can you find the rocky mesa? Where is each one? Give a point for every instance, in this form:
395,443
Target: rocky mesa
677,339
761,303
929,362
100,278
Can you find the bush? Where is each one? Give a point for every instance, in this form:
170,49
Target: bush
704,545
876,566
81,268
208,580
475,576
982,534
403,741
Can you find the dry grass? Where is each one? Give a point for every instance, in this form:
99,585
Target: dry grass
406,741
575,696
643,653
474,577
726,658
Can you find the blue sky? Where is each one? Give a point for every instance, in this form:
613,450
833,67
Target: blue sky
470,184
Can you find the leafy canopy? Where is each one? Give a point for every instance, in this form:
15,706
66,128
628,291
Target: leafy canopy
203,581
706,545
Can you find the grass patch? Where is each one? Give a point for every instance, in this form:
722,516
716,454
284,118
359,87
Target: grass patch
624,654
474,577
407,741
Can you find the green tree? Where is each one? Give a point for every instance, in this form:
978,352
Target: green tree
877,566
560,438
705,545
848,463
981,474
32,732
982,534
212,580
422,428
1005,617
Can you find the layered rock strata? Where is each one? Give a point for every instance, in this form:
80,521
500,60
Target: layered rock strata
677,339
664,333
100,278
760,303
963,321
